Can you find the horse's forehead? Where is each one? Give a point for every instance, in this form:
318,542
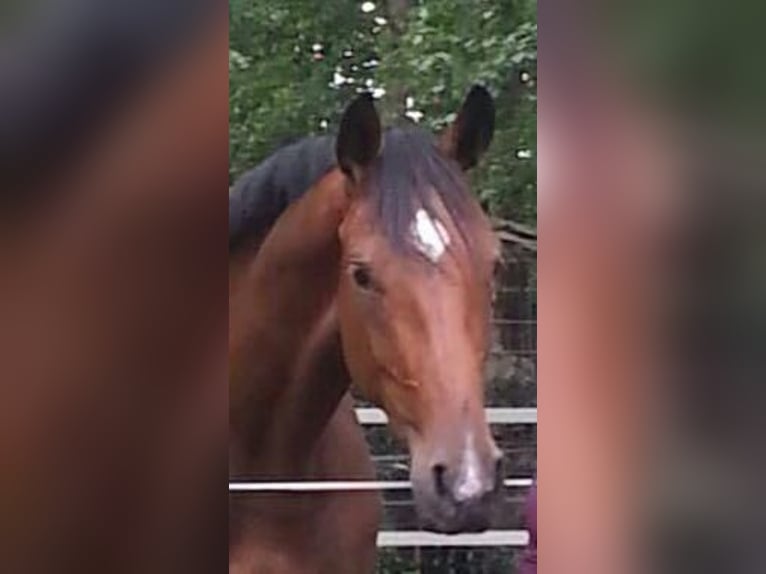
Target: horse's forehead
429,235
433,234
426,233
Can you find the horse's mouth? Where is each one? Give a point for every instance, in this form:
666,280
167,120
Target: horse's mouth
456,520
465,526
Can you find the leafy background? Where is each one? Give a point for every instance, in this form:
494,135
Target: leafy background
294,66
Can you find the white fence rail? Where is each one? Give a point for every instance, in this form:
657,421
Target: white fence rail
502,416
409,538
344,486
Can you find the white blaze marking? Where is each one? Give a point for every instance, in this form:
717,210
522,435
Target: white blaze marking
430,236
470,484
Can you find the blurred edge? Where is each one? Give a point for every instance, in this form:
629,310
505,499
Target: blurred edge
652,294
119,108
66,65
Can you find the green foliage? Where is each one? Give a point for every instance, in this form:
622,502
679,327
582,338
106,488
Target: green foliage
295,64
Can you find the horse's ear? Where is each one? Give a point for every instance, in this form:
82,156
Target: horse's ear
471,133
359,137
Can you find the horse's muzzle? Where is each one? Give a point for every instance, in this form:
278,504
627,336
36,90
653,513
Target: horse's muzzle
459,499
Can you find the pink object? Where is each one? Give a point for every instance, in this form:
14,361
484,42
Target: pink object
529,556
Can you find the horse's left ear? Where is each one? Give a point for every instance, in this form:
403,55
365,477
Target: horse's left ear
359,137
471,133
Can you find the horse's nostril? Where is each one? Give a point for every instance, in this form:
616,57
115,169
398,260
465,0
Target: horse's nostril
440,479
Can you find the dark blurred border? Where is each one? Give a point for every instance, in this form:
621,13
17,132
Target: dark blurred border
652,298
66,65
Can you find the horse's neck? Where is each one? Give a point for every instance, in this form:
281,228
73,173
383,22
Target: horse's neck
286,370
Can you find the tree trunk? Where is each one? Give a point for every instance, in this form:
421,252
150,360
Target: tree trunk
396,90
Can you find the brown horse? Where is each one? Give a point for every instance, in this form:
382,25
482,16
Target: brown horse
379,274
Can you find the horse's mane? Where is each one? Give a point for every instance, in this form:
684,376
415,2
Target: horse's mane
261,195
410,174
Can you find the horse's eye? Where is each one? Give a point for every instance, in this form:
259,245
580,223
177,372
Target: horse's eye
362,277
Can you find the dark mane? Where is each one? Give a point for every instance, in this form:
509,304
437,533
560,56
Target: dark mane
78,64
410,174
262,194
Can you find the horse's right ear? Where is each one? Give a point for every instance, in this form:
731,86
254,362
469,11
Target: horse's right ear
359,137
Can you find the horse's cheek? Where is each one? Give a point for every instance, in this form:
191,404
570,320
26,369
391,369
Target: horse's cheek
356,354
